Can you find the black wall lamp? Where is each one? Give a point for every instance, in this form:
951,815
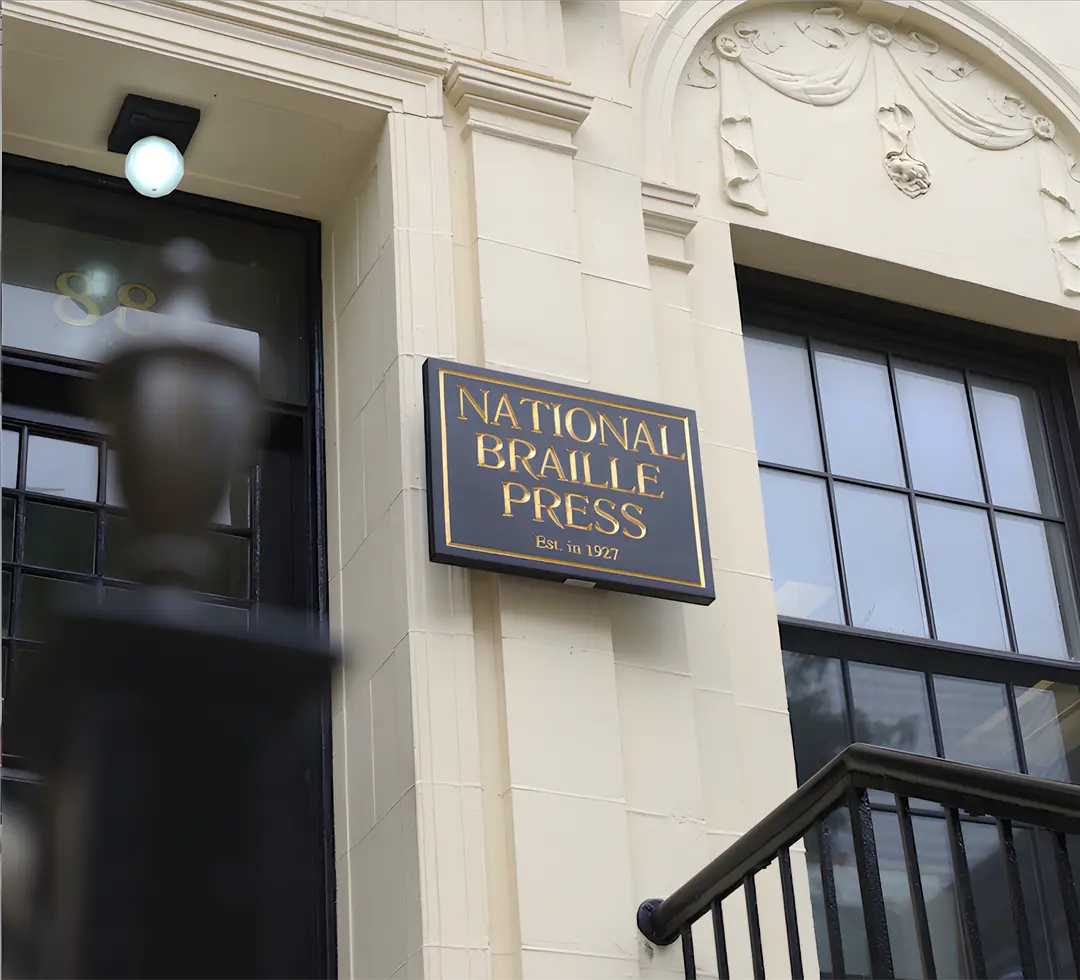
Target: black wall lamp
154,135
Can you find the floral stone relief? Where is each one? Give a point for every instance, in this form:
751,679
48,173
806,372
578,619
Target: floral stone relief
821,55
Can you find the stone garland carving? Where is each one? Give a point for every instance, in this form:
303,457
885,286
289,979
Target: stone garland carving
946,85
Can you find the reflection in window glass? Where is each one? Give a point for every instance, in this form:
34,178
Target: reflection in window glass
232,512
989,886
801,553
860,421
7,602
1050,724
229,573
59,537
1014,445
962,572
1035,595
84,269
9,458
937,430
849,908
116,562
880,560
975,723
61,468
782,397
817,710
891,708
39,600
9,528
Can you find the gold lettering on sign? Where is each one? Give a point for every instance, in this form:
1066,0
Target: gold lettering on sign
544,469
539,505
570,424
606,515
663,445
464,393
508,500
551,459
643,478
536,403
586,468
571,510
613,462
625,511
505,408
643,433
524,460
605,422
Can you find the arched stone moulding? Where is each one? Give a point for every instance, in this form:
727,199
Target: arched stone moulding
820,54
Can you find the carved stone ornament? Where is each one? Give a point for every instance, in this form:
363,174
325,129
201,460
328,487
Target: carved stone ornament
819,56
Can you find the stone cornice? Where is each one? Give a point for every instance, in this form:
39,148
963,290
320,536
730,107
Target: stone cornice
668,209
326,28
471,84
387,69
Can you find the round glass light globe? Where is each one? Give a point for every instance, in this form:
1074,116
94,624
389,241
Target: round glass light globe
154,166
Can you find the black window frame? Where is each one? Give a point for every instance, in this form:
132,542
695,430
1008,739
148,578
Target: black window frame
308,579
1052,366
831,315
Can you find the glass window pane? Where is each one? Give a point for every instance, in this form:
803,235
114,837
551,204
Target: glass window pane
60,537
937,432
9,457
892,708
860,421
233,511
229,574
9,528
115,562
960,565
849,910
39,599
1050,725
816,709
986,865
975,723
235,507
931,845
62,468
1014,445
7,601
1040,588
84,269
114,496
880,560
219,615
801,552
782,397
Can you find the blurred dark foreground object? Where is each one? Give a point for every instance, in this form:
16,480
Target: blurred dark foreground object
169,746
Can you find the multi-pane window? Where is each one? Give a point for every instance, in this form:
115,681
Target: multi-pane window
919,516
909,497
65,535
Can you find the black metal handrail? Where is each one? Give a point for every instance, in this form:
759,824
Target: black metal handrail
846,780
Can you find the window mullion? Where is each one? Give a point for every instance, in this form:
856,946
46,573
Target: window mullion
935,718
924,579
1018,734
829,488
990,514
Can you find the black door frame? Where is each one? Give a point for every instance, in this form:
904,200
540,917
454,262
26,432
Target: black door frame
312,420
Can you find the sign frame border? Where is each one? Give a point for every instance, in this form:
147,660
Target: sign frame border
443,550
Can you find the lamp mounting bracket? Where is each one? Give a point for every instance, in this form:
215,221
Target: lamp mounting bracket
141,116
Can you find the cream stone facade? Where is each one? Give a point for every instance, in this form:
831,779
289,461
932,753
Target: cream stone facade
564,190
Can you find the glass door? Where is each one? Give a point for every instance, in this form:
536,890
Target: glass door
86,261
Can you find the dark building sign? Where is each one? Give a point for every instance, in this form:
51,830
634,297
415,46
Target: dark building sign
557,482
